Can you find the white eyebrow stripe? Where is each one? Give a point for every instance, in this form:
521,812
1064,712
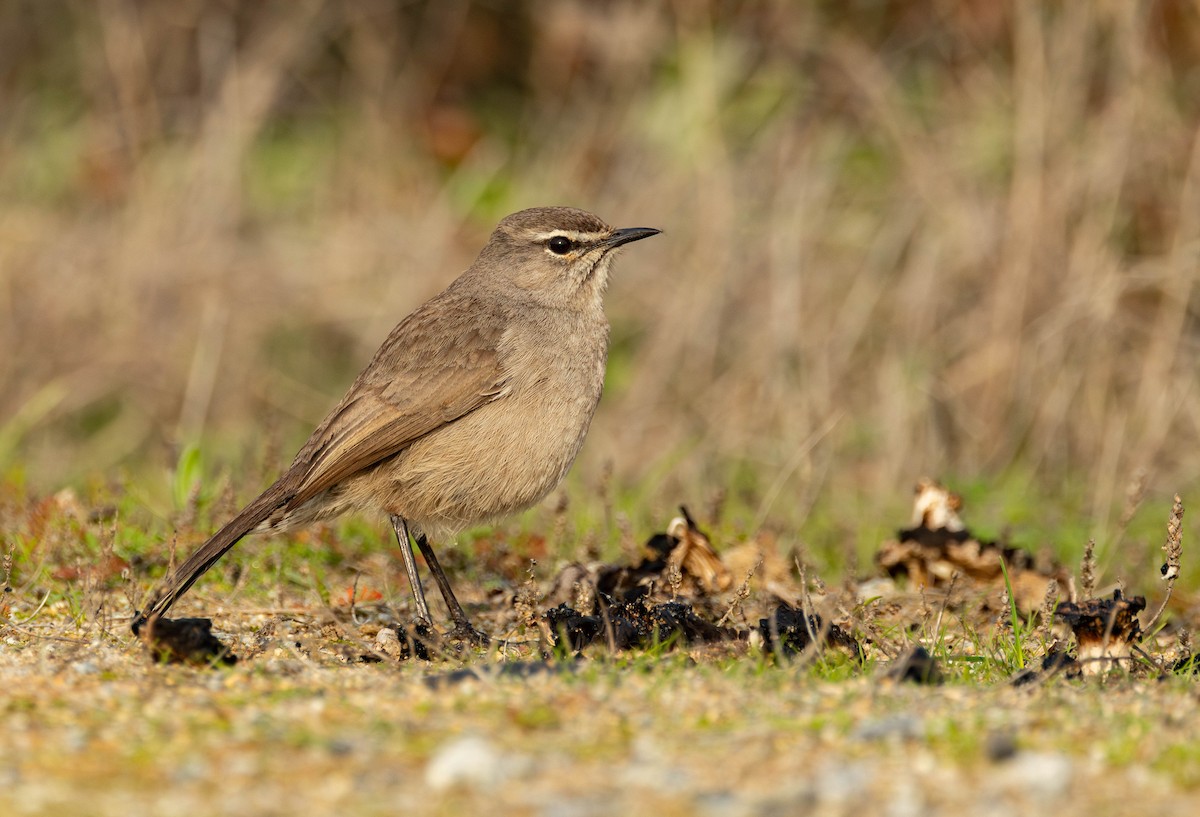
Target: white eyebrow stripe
574,235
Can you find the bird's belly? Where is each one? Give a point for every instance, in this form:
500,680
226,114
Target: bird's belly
501,458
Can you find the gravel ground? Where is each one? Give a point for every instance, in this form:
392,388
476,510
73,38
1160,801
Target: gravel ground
96,728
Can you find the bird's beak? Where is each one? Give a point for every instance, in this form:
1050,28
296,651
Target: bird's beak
628,234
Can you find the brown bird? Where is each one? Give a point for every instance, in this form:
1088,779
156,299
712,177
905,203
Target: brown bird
473,408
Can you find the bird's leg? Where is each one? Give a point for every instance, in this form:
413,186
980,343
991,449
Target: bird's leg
462,624
410,567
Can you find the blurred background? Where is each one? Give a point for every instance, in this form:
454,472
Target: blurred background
902,237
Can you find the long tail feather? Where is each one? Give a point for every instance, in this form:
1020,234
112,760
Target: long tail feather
217,546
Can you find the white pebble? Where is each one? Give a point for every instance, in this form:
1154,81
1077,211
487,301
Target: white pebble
467,761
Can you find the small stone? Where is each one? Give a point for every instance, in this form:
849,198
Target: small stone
387,641
722,804
191,770
468,761
575,807
340,747
1000,746
283,666
894,727
842,783
1040,774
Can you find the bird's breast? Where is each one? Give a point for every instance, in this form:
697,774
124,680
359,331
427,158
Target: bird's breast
509,453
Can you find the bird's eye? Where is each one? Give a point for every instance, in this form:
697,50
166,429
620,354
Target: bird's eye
560,245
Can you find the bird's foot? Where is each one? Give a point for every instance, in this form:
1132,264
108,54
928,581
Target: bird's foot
464,632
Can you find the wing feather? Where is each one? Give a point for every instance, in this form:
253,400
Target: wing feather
441,363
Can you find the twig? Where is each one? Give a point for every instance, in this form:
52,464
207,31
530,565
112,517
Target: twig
31,634
937,625
741,594
806,608
35,612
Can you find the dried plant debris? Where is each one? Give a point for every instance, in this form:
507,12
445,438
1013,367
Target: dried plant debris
682,560
935,507
675,593
1106,630
184,641
788,631
694,554
682,592
1174,545
650,602
939,546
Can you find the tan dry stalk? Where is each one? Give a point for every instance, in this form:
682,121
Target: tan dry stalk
1173,548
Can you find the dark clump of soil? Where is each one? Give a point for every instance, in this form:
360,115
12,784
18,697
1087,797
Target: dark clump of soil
627,624
570,627
184,641
917,667
513,669
789,631
1187,665
1056,662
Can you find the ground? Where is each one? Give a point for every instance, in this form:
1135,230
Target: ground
321,713
93,728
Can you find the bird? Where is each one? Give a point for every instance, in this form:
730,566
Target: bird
473,408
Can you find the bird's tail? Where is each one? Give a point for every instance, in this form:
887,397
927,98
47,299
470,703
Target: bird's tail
207,554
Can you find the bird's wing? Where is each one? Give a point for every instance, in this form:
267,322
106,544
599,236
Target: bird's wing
438,365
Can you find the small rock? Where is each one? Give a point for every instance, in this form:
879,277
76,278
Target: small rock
843,783
575,807
340,747
722,804
283,666
190,770
900,727
1039,774
1000,746
387,641
906,800
470,761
